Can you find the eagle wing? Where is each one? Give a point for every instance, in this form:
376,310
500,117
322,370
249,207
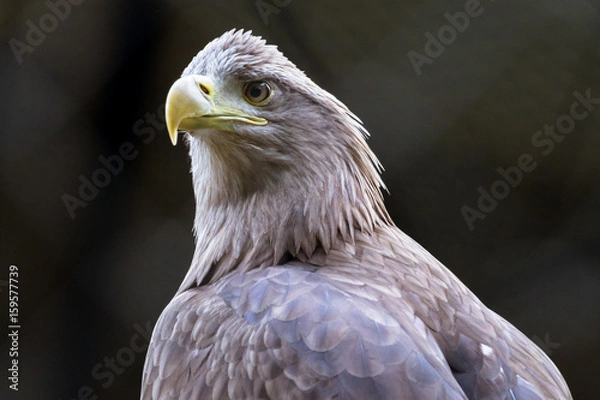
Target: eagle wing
298,332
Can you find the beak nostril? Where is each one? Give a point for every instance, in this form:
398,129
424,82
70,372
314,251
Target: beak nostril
204,88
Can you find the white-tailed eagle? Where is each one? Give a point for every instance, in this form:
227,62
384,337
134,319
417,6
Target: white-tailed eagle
301,286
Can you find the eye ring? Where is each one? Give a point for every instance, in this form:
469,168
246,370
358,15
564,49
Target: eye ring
257,93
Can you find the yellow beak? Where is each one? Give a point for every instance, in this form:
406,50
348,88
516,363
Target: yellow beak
191,106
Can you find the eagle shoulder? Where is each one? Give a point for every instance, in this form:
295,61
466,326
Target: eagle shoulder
294,331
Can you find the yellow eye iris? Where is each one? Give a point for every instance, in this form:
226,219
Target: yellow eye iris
257,93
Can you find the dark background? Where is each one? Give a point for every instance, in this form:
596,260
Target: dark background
98,79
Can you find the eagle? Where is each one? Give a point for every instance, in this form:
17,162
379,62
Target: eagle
301,286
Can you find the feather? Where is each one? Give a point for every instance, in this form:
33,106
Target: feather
300,285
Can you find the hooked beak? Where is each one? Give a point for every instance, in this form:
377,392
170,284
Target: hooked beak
191,106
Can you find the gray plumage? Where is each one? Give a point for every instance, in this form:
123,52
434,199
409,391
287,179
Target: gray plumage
301,287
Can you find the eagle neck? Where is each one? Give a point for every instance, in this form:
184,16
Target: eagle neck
281,220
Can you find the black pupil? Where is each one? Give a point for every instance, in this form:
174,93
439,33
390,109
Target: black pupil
256,90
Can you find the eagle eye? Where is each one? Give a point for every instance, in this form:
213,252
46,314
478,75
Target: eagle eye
257,93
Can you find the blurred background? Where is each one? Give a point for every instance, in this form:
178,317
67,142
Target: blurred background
96,206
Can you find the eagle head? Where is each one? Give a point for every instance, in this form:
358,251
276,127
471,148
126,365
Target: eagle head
262,123
271,150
